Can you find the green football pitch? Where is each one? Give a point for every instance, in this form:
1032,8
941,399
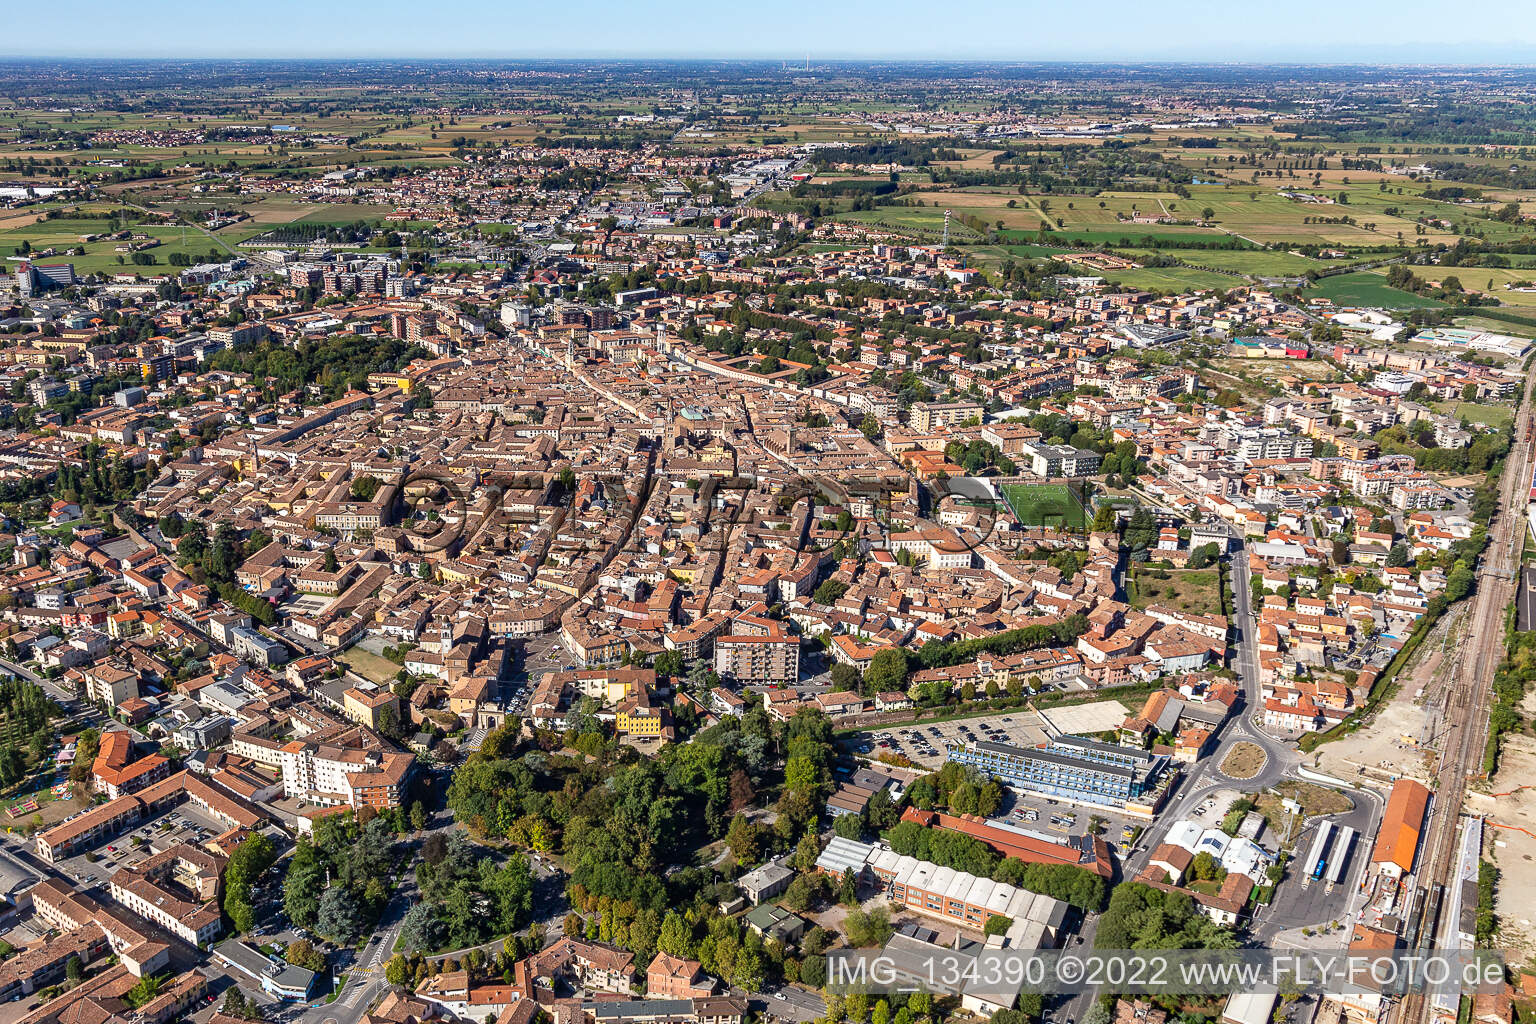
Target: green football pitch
1046,505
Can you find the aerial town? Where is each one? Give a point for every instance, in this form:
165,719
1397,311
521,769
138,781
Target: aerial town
592,544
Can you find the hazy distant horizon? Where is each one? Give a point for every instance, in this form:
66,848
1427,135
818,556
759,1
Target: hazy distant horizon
1480,32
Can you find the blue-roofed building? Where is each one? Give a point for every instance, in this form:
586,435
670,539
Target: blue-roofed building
1070,767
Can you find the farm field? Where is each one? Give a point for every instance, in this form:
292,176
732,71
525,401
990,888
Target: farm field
1261,263
63,235
1371,217
1046,505
1126,236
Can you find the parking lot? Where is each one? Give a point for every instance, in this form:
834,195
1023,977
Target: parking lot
182,824
1058,820
924,744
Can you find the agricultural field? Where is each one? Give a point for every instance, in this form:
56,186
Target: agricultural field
59,239
1046,505
1255,262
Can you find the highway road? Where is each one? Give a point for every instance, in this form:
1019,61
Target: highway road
1470,684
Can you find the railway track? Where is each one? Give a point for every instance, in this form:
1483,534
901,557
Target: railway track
1466,709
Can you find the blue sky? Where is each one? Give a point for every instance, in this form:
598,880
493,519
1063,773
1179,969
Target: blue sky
1419,31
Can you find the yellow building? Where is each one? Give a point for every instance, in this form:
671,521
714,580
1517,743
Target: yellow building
641,718
365,707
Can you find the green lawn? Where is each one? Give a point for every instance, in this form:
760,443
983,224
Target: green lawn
1197,591
1046,505
1171,279
1488,415
1368,288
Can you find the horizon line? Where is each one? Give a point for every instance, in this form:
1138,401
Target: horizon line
1343,60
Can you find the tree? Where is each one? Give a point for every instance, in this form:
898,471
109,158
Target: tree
398,970
745,840
676,937
868,928
887,671
418,816
849,826
747,972
669,663
806,853
249,862
74,970
421,930
337,917
846,677
302,887
147,988
831,590
302,953
240,1006
1204,867
848,889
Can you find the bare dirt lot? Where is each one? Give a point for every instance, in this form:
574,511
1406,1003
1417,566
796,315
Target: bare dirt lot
1401,739
1244,761
1510,840
1391,745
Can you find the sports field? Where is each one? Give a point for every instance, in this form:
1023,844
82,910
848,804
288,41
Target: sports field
1046,505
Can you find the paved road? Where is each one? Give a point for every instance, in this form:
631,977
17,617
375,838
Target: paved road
365,976
796,1004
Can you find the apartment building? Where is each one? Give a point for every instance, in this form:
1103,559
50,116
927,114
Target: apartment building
96,825
758,659
346,766
369,707
67,910
110,685
115,770
596,966
177,889
930,416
